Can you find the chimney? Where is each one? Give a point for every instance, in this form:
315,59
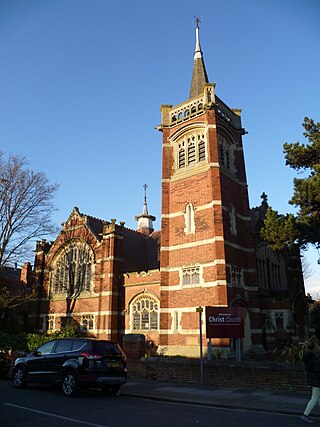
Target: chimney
26,274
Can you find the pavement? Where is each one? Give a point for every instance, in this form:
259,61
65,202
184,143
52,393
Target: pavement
221,397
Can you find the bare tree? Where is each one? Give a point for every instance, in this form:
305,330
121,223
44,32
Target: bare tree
13,299
307,269
26,205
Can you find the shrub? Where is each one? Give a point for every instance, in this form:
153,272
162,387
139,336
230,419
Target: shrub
14,342
29,342
35,340
293,353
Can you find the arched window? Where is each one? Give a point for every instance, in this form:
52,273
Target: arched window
236,275
233,220
271,268
189,219
49,323
226,154
144,313
191,149
190,276
87,322
72,269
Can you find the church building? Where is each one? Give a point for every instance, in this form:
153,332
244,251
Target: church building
116,281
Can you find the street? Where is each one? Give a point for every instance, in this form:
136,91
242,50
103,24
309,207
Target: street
44,406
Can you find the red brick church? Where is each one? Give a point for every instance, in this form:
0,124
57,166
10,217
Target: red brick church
115,281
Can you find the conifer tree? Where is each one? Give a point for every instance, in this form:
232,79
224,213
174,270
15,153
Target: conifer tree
284,231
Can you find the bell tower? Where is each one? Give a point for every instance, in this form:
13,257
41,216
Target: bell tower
207,248
145,221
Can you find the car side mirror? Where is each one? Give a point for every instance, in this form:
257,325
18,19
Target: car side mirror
36,353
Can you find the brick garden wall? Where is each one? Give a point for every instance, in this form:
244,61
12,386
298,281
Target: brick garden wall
221,373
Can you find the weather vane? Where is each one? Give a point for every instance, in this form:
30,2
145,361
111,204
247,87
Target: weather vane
145,186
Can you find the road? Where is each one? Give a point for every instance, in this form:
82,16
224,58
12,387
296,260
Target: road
43,406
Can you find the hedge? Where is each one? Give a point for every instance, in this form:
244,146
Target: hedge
29,342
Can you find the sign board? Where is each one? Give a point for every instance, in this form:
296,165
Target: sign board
224,322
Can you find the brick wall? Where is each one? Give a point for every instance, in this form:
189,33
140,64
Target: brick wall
220,373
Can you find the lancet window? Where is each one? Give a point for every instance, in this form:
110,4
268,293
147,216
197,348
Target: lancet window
271,269
190,227
226,154
49,323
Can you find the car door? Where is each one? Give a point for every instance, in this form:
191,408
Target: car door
56,359
37,363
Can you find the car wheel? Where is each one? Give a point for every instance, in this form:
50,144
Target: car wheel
19,377
69,384
111,390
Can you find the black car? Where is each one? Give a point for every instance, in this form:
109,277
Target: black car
74,363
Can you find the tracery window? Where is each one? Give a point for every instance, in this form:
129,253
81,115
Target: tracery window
72,269
191,276
191,150
271,268
49,323
145,313
87,322
236,275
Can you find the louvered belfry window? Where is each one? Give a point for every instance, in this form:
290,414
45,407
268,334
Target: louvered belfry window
191,150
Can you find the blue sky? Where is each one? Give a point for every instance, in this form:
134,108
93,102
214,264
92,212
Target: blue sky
82,81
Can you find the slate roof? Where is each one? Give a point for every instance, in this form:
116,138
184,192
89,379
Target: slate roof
199,78
96,225
141,252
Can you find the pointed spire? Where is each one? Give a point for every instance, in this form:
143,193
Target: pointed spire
145,207
145,225
197,52
199,74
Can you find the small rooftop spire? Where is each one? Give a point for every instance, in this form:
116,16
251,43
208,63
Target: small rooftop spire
199,74
145,207
197,52
145,225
